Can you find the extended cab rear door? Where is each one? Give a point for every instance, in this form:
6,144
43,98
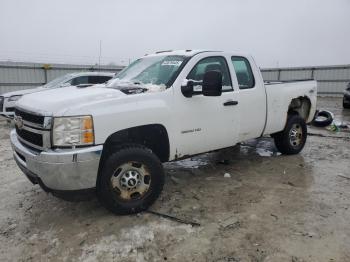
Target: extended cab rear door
251,96
205,123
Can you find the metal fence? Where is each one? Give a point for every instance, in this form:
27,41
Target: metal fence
330,79
17,76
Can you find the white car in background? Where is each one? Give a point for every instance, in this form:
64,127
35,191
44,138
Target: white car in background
8,100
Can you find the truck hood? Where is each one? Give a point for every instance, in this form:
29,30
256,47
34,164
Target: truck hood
58,101
24,92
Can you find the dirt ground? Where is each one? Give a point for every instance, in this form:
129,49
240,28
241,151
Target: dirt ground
268,207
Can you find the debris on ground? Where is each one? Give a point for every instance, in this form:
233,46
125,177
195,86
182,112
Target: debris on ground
338,126
176,219
341,124
289,184
227,175
333,128
274,216
328,136
230,223
344,177
323,118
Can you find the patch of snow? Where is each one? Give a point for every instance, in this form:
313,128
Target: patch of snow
49,238
264,152
131,243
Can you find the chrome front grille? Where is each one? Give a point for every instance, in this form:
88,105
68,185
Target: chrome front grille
30,137
30,117
33,129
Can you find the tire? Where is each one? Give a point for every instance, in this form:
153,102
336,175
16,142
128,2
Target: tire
130,180
326,121
346,103
288,144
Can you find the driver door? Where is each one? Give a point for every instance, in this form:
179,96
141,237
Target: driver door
206,123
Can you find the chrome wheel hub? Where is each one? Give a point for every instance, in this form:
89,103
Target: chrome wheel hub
296,135
131,180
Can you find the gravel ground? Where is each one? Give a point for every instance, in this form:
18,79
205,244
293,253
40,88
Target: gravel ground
268,207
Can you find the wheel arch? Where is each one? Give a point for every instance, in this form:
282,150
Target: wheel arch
153,136
300,105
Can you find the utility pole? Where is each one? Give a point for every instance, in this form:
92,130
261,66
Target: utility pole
99,57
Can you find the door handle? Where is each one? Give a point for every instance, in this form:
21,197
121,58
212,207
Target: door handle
231,103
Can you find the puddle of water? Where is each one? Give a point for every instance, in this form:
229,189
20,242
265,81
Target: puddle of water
266,153
259,150
263,148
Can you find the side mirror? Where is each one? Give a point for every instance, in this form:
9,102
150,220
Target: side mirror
187,88
212,83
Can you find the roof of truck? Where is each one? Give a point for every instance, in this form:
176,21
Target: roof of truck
187,52
190,53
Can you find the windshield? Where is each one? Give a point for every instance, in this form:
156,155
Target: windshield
149,72
58,81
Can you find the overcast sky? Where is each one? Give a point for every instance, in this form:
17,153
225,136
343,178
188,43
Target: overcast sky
275,32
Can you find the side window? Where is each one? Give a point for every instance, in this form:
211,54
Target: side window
215,63
244,73
80,80
98,79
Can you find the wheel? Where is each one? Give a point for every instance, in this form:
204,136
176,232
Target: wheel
292,139
130,180
346,103
322,118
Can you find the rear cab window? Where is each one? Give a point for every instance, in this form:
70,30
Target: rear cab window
244,73
215,63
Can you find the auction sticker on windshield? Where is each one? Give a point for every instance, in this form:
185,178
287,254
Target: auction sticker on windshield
171,63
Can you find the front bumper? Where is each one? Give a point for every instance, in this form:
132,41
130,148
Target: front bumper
59,169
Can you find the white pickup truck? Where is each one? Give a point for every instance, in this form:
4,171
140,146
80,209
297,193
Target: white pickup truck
112,139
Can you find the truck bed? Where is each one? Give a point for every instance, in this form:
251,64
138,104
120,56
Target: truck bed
279,96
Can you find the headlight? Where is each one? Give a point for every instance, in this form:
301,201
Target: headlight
73,131
14,98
